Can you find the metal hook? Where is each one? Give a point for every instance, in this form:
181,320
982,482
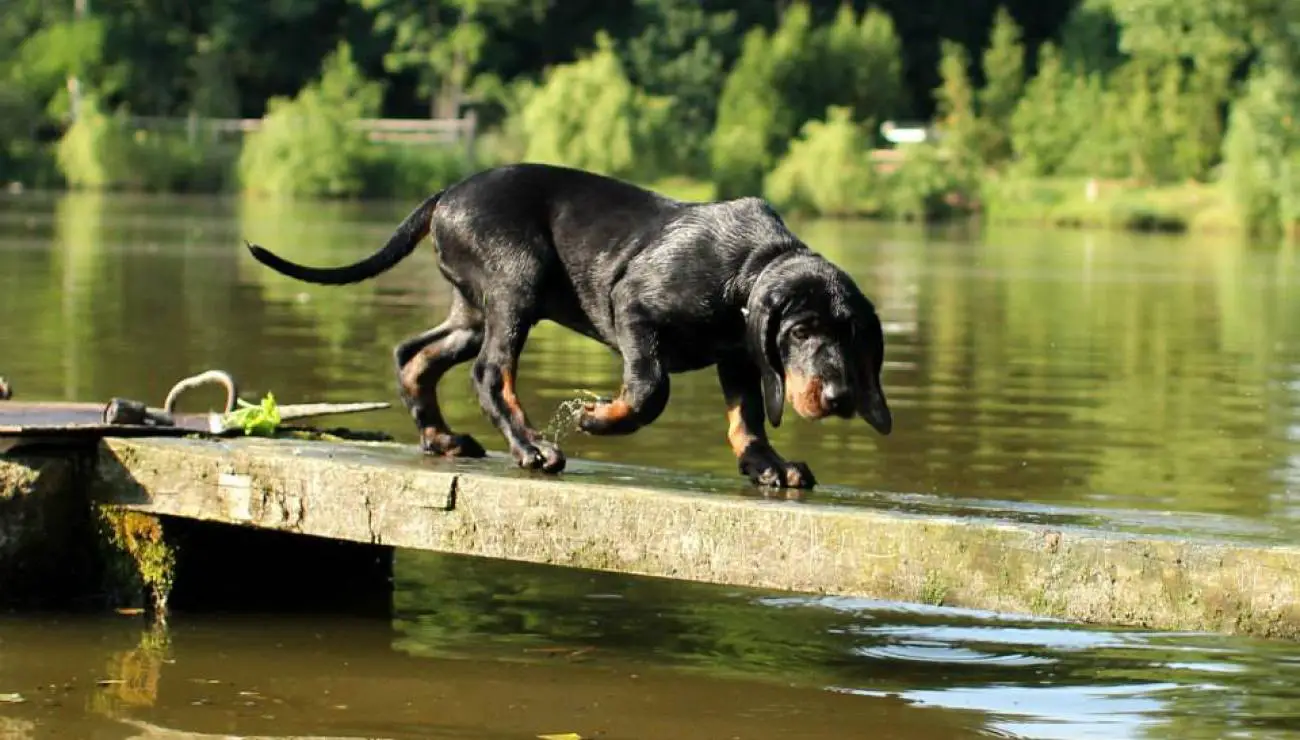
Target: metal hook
211,377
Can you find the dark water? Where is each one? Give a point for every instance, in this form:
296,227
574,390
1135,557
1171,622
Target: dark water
1069,370
489,650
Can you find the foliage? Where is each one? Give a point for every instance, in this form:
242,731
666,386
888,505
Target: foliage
681,54
784,80
307,146
957,122
256,419
21,158
927,185
1039,136
46,59
103,151
588,114
443,42
1082,203
827,170
1004,80
756,113
1262,151
860,65
141,537
414,171
1137,90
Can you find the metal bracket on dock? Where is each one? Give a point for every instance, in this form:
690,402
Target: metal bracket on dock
23,423
125,411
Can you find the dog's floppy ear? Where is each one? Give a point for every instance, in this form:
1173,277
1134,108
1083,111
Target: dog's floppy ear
869,356
762,319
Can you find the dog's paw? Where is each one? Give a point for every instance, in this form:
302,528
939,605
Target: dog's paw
608,417
450,445
539,455
765,468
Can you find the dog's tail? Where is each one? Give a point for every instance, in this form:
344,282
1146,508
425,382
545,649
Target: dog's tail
415,227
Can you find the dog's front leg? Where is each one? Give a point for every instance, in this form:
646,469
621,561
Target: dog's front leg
645,383
758,461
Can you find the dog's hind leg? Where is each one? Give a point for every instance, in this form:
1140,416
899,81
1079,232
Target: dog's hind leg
494,378
421,362
645,383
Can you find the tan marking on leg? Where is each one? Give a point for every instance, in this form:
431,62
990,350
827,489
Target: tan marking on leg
738,433
613,412
508,396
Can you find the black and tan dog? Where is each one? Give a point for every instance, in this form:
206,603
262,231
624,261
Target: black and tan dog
670,286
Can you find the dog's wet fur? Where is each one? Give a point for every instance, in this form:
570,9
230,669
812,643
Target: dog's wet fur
671,286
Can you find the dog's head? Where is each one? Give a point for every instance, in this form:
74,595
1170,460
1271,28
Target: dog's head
819,343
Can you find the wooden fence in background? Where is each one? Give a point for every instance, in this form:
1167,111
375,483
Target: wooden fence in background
429,131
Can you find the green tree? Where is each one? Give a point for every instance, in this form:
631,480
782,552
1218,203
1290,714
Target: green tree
680,54
827,170
1040,134
956,118
860,65
1215,37
1262,151
588,114
307,146
1004,82
442,42
786,79
1089,38
60,50
750,120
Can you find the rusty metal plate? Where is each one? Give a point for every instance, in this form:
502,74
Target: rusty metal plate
43,419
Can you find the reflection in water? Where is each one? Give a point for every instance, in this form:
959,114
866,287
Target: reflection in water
484,649
1053,367
1029,677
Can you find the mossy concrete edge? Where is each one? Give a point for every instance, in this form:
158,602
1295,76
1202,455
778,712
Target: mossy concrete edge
384,494
55,551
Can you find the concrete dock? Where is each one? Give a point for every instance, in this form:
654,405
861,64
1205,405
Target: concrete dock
1084,566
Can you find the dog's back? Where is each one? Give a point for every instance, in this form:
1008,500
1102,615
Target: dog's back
582,214
575,231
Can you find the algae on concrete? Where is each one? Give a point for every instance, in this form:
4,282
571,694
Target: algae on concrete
140,537
53,552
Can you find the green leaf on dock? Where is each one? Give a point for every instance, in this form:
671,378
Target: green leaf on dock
256,419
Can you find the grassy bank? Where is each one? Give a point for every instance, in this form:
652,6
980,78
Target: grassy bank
1072,203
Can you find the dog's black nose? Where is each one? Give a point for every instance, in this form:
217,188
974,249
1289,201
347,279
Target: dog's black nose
835,398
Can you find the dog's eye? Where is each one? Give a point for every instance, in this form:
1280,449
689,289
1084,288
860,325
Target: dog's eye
800,332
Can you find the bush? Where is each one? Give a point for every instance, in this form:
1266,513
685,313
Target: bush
757,111
1260,152
408,172
784,80
926,186
1004,81
827,170
95,150
21,158
308,146
588,114
100,151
